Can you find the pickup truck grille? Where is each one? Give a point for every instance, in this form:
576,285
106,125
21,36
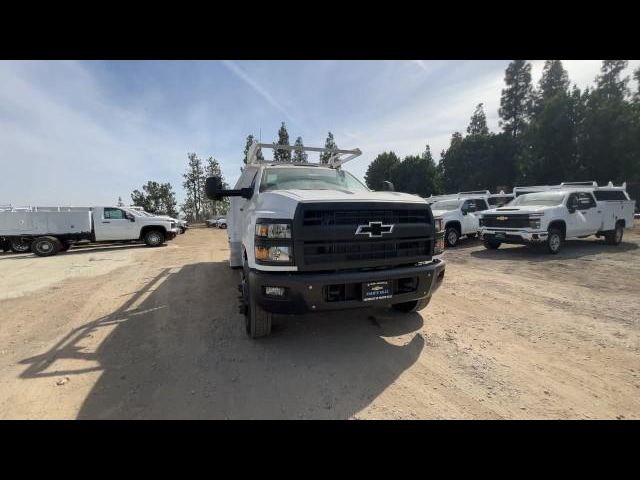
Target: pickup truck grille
505,221
325,236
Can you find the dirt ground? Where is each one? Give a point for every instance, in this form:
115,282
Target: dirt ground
134,332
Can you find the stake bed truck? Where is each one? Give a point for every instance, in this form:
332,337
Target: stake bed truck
311,237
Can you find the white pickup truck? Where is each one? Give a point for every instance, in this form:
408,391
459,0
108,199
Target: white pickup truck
49,230
312,238
460,214
551,214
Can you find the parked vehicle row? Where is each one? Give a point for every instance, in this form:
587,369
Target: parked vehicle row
49,230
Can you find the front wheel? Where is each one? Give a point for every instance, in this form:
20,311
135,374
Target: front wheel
451,236
554,241
413,306
154,238
257,322
491,244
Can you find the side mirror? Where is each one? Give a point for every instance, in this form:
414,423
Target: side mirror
387,186
213,189
572,206
464,211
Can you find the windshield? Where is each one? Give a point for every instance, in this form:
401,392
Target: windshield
309,178
544,199
445,205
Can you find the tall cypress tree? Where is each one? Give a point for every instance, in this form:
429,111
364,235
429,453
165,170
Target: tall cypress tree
609,83
328,143
554,80
283,139
478,123
299,156
516,99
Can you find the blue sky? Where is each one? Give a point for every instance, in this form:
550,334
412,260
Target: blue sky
86,132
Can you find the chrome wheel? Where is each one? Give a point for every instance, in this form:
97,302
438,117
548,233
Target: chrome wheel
554,242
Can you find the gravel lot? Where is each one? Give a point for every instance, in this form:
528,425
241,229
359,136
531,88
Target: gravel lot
132,332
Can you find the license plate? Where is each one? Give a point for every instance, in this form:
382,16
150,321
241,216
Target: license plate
500,236
376,290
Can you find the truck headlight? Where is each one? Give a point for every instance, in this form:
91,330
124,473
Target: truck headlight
273,230
438,224
534,223
278,253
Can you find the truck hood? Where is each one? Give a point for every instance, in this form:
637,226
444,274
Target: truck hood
527,209
339,196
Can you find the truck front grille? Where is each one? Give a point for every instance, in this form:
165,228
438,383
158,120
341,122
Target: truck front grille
325,235
505,221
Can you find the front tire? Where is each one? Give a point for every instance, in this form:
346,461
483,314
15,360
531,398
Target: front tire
451,236
257,322
154,238
19,245
491,244
555,239
46,246
413,306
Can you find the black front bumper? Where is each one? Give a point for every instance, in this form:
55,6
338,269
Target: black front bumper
312,292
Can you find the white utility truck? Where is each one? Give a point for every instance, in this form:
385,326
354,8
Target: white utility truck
548,215
459,213
311,237
182,225
49,230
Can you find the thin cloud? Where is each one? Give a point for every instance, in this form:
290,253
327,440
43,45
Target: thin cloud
259,89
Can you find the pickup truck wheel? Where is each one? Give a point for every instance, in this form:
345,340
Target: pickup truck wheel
614,237
46,246
554,241
19,245
414,306
491,244
451,236
154,238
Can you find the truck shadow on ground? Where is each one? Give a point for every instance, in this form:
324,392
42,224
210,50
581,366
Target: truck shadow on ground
79,250
572,249
177,349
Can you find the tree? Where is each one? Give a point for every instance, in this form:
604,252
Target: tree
250,140
416,174
194,179
636,76
157,198
283,139
214,207
330,144
516,99
120,202
478,123
608,136
381,169
554,80
299,156
609,83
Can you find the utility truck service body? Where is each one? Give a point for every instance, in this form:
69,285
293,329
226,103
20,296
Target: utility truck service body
311,237
50,230
549,214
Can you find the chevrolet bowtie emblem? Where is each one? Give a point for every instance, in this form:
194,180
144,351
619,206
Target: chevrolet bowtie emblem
502,218
374,229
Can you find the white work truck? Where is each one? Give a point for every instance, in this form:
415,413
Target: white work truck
49,230
459,213
311,237
547,215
